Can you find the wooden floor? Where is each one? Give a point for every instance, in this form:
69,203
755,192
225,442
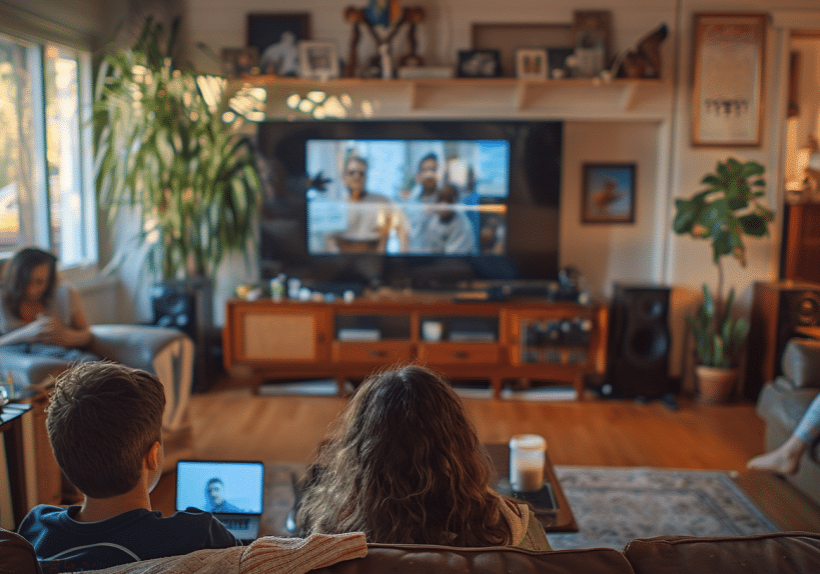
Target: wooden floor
236,425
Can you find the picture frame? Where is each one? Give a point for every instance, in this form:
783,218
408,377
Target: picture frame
727,97
531,63
479,64
318,60
276,37
608,193
507,37
237,62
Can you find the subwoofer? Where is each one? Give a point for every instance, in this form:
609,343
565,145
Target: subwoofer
638,343
779,308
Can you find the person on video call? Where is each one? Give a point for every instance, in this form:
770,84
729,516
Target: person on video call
215,494
417,200
449,231
370,216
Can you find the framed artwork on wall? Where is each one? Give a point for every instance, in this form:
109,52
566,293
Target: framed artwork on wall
531,63
276,38
608,194
727,107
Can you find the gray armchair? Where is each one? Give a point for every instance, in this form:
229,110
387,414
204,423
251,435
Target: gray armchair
165,352
784,401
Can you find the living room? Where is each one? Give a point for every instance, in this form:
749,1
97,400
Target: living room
648,124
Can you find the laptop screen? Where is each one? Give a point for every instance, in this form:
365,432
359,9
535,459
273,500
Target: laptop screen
220,487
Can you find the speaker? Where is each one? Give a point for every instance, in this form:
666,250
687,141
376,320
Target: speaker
638,342
778,309
188,306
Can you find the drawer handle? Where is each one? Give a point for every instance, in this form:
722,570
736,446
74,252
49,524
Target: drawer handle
378,353
461,355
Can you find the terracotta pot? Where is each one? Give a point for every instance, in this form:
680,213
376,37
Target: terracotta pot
716,384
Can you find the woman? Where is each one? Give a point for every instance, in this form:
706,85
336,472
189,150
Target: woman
785,459
39,316
404,466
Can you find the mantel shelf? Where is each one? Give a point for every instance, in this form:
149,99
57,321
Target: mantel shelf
571,98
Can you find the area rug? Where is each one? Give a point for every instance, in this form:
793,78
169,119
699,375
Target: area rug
611,505
615,505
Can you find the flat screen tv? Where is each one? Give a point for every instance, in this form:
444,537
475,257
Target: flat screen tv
422,204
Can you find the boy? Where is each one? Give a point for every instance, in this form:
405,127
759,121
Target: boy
104,423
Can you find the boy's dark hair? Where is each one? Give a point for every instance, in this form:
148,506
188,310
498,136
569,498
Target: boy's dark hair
102,419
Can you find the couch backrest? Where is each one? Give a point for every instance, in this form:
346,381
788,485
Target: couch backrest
17,555
780,552
418,558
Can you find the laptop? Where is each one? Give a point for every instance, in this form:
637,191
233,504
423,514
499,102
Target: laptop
231,490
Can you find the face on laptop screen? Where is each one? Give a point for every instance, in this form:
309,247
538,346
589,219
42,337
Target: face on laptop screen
220,487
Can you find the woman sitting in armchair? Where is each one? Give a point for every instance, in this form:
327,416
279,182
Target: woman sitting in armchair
38,315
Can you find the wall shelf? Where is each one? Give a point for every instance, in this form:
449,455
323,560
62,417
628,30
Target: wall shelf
353,98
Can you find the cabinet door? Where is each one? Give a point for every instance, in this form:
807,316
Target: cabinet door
280,333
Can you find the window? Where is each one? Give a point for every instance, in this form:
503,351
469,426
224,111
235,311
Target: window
46,182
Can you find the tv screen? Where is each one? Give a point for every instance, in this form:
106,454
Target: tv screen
410,203
407,197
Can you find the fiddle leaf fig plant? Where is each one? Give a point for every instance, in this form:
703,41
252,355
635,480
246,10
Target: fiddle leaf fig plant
723,213
163,149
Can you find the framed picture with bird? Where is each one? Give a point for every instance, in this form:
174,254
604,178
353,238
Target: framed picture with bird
608,194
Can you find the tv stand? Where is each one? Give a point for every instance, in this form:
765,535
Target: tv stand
521,339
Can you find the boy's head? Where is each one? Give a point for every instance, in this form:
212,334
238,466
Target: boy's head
102,420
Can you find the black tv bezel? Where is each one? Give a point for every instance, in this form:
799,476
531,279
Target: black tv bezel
535,183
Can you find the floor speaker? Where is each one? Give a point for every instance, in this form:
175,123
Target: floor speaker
188,306
778,309
638,342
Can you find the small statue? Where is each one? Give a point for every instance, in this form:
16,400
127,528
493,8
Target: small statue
644,61
381,64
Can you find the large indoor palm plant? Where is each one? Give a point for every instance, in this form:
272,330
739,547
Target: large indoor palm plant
723,213
164,151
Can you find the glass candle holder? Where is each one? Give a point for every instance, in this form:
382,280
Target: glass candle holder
527,458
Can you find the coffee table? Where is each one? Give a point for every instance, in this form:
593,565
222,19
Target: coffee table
559,520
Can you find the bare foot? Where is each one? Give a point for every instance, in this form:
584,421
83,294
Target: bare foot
783,460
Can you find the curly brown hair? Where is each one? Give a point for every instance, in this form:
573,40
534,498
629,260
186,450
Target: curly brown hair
404,465
17,276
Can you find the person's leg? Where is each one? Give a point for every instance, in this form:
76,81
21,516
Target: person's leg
785,459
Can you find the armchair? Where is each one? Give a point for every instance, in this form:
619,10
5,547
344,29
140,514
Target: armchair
783,401
165,352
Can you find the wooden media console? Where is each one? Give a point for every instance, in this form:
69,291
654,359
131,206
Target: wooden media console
527,339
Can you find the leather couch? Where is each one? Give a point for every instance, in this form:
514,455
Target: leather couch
784,553
783,401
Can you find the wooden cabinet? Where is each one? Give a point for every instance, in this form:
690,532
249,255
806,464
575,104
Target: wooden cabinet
801,245
491,341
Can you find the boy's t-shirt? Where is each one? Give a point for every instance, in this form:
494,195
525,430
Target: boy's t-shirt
132,536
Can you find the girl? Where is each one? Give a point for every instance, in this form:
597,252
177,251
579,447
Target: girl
404,466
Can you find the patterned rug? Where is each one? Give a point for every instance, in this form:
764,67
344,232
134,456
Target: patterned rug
615,505
611,505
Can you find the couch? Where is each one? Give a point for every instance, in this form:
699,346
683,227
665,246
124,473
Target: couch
784,553
783,401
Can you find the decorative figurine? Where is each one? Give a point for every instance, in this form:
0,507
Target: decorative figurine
381,64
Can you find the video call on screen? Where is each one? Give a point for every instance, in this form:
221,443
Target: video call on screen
475,171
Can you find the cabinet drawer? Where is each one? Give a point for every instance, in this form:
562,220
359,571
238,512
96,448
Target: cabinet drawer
475,353
382,352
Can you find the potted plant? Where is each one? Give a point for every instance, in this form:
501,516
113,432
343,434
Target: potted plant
163,149
723,213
